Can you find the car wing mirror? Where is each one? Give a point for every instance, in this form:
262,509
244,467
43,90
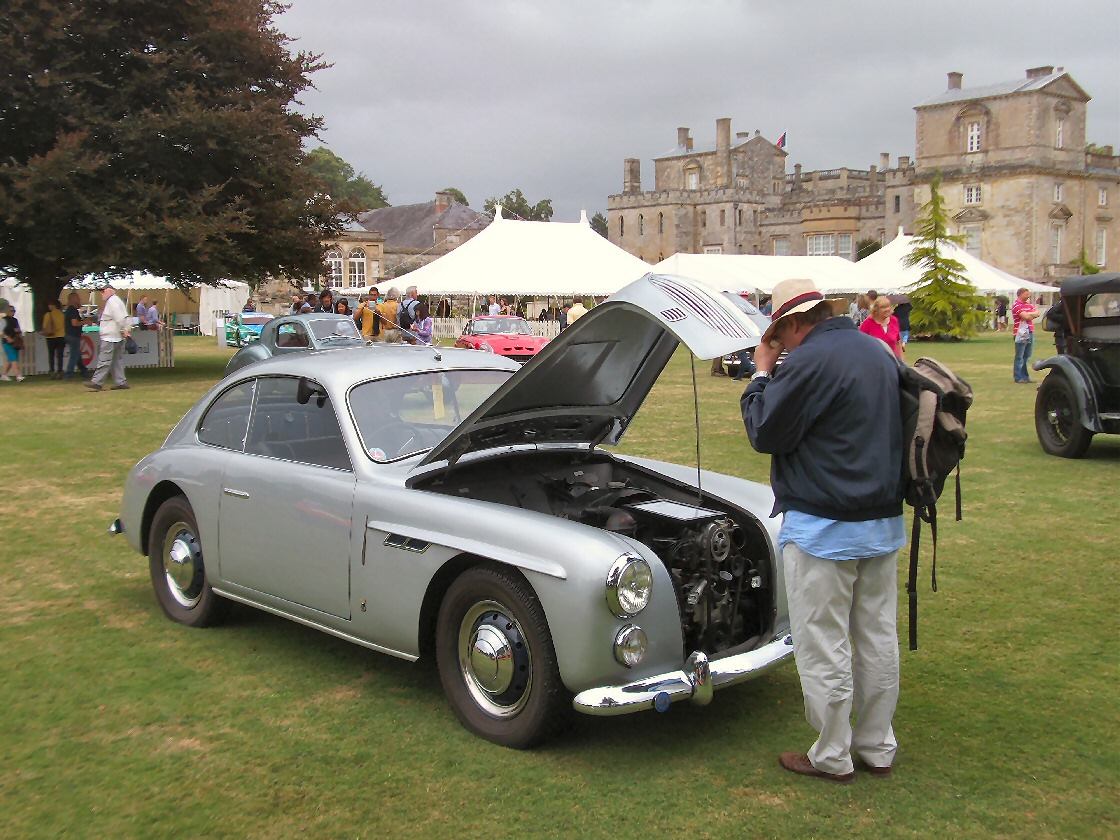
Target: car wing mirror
308,388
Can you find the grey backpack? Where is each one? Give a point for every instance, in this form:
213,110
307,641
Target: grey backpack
934,402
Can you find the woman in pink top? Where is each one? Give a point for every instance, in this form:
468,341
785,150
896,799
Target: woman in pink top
881,324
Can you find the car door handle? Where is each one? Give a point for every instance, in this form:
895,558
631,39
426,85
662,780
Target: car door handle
240,494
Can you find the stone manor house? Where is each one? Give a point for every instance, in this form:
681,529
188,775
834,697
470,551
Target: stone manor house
1020,180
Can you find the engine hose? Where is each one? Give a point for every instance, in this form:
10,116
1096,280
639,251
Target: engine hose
738,594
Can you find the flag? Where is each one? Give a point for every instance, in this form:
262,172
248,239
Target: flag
781,144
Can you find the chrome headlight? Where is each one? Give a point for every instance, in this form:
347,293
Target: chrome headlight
485,348
629,585
630,645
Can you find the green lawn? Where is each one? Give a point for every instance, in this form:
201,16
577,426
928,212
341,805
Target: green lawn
118,723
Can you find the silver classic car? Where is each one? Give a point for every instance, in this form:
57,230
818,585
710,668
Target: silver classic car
441,502
297,334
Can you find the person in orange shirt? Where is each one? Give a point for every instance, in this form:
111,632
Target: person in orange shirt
54,330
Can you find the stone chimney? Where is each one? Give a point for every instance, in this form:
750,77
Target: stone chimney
1039,72
723,149
872,179
683,140
955,80
884,160
742,135
632,176
443,201
723,133
797,176
903,161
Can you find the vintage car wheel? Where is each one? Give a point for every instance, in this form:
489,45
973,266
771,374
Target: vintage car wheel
177,567
1057,419
496,659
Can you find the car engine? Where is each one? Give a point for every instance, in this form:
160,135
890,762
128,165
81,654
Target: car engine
718,558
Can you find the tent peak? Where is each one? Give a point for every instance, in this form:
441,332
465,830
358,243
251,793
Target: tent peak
583,216
499,213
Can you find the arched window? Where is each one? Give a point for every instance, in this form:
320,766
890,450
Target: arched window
703,218
641,225
357,266
660,222
333,260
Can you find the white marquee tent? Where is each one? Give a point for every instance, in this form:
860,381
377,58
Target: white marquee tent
226,296
884,271
529,259
18,296
760,272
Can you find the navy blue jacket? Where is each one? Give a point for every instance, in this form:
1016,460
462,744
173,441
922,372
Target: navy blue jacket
830,418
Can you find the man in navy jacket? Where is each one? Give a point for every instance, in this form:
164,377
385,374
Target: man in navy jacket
829,418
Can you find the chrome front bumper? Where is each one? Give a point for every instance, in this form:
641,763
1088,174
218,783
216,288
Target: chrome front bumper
696,682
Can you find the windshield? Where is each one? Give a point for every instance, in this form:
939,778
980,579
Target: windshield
255,320
404,415
505,326
334,329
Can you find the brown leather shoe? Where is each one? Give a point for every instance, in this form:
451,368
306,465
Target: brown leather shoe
876,770
799,763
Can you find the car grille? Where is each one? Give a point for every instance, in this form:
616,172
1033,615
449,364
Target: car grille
520,358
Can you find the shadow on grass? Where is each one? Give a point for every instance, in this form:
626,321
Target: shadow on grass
305,654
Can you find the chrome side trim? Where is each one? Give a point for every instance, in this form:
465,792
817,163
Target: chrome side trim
316,625
483,549
696,682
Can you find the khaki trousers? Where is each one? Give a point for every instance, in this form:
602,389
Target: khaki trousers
845,643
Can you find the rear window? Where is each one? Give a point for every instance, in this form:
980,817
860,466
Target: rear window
1102,305
404,415
331,329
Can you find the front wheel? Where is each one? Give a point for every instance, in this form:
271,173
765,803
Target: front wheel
496,659
177,567
1057,419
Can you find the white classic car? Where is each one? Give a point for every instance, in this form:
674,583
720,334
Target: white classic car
434,501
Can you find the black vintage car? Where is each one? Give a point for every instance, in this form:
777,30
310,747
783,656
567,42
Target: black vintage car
1081,393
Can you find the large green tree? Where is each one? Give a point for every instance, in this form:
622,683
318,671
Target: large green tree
944,302
342,183
158,136
516,206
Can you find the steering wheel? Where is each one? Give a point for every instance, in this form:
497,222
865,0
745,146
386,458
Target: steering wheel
398,438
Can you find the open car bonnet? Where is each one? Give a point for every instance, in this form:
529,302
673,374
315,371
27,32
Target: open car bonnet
585,386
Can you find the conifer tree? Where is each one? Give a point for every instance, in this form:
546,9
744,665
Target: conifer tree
944,302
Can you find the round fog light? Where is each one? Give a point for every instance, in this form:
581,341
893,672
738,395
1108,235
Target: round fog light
630,645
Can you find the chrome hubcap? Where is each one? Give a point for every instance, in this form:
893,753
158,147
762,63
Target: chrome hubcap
494,659
182,565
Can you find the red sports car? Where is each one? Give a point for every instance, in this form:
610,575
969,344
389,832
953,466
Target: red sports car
506,335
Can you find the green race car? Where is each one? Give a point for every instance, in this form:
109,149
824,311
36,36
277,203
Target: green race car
244,327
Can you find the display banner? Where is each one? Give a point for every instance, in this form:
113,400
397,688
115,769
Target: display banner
148,354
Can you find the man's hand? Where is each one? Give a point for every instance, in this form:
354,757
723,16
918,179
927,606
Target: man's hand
766,356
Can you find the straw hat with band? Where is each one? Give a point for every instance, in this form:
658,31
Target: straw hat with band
792,296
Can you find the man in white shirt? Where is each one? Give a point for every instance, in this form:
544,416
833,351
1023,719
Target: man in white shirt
114,329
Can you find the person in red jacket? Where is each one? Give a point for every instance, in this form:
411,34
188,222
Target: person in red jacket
883,325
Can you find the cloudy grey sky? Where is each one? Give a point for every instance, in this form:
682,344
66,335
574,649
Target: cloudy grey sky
550,97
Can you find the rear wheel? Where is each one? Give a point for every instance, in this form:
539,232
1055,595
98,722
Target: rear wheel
1057,418
178,569
496,659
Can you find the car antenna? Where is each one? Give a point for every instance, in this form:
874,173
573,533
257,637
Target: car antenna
696,408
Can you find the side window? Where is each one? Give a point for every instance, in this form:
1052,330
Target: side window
227,419
284,429
292,335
